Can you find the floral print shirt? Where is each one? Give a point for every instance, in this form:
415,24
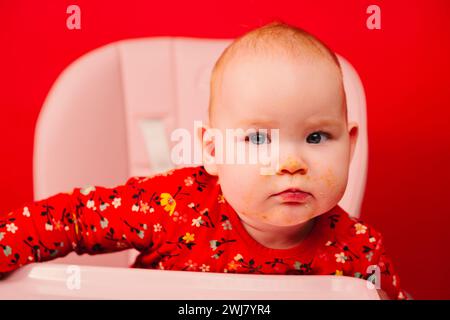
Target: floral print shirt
180,220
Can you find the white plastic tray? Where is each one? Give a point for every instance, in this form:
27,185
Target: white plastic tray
59,281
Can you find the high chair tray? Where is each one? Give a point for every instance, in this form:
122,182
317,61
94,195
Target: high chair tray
59,281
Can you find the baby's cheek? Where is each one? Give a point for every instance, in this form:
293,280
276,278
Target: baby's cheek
328,179
330,184
244,200
324,183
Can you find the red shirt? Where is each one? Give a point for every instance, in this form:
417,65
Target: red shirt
180,220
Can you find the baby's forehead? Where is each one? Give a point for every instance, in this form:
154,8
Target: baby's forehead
256,78
251,94
254,71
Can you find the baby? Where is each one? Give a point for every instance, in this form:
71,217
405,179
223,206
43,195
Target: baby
228,217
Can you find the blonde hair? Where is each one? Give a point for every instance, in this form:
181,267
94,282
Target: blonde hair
276,37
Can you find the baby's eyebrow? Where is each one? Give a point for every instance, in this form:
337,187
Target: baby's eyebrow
258,123
324,122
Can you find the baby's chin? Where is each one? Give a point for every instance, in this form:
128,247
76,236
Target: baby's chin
282,217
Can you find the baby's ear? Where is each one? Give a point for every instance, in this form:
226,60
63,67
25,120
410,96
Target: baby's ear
353,135
206,135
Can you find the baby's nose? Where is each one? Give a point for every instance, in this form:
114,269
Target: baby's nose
292,165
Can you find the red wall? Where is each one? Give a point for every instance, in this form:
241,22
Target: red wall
404,67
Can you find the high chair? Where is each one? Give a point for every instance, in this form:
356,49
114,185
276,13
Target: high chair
110,113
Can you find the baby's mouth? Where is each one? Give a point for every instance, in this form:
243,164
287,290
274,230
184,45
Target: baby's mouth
292,195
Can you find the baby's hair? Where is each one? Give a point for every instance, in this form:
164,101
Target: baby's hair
277,37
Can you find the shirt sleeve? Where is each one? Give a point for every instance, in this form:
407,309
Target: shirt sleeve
88,220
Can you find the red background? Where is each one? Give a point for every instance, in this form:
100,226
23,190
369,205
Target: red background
404,67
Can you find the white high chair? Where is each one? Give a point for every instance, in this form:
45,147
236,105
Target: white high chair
110,114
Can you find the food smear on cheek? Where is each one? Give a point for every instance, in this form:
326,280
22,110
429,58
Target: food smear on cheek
246,202
328,178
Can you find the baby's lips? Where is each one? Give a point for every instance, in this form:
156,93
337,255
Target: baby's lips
293,195
289,190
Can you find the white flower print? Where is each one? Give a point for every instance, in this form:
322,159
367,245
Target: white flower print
157,227
204,268
26,212
2,234
329,243
11,227
197,222
340,257
238,257
90,204
227,225
144,206
213,244
372,240
135,208
116,202
7,250
48,226
360,228
104,206
188,181
104,223
191,205
151,210
190,265
85,191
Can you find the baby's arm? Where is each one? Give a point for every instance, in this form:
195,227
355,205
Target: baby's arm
87,220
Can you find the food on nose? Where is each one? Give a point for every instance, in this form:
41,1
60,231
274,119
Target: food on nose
292,165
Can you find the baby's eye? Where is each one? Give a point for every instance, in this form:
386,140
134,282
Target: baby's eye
257,138
316,137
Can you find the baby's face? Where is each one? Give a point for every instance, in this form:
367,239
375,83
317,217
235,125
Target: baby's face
305,102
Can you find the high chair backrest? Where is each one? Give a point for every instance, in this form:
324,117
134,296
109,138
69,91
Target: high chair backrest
110,114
